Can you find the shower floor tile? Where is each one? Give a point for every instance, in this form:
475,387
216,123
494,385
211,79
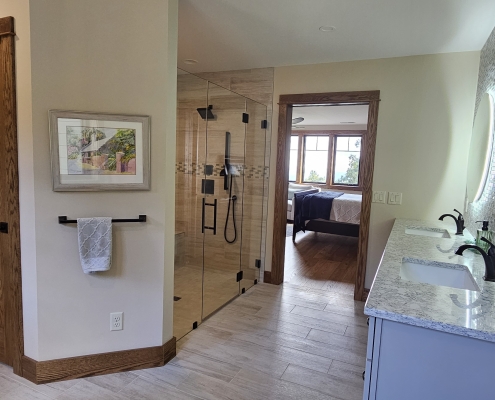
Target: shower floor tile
220,287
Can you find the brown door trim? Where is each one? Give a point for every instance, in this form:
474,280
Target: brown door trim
7,26
10,261
331,98
286,102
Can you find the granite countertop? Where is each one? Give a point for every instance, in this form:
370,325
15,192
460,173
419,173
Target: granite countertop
457,311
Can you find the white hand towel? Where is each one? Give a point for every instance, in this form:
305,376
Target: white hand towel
95,243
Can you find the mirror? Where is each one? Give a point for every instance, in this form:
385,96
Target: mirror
480,150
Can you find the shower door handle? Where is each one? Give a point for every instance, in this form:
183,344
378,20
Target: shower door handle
203,226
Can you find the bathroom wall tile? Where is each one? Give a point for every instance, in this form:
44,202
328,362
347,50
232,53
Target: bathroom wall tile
484,209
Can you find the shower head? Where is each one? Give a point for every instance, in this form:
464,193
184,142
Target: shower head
206,112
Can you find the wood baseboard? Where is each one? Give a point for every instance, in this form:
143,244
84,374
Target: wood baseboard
366,292
267,277
97,364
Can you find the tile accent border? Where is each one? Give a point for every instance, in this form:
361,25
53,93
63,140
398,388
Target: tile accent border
188,168
97,364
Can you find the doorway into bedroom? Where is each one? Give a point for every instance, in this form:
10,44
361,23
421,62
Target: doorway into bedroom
325,158
324,196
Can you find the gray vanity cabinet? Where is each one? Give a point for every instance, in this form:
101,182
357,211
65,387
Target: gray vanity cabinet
407,362
374,324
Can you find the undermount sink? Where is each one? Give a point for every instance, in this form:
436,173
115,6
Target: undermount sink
430,232
439,274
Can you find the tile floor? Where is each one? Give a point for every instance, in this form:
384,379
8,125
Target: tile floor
273,342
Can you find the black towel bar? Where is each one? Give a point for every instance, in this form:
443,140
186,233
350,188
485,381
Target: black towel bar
63,220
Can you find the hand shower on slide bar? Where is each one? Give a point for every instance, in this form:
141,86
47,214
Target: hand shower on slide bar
227,185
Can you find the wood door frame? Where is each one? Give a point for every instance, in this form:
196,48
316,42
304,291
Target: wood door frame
286,103
8,111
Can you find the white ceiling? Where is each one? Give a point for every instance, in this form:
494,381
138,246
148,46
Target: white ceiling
331,117
240,34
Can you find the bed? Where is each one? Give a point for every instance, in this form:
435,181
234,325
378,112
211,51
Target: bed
345,214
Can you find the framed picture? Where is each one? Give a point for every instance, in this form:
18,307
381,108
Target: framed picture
95,152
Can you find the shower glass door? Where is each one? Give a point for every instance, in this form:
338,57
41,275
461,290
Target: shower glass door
223,197
192,93
254,174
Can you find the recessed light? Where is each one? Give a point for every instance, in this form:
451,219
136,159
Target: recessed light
190,61
327,28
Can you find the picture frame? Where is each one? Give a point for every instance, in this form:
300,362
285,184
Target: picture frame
99,152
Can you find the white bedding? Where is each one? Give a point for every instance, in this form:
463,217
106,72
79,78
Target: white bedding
347,208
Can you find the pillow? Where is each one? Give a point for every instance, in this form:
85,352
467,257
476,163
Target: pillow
299,186
294,187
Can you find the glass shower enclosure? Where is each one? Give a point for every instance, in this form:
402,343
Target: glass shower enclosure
220,193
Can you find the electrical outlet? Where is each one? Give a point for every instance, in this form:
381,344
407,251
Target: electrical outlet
379,197
116,321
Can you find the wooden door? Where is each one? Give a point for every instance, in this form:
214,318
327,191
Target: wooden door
11,338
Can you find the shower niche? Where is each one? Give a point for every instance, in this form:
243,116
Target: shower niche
221,188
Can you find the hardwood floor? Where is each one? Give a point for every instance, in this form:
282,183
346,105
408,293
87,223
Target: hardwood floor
273,342
321,261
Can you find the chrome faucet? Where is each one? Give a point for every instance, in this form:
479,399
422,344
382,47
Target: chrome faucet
489,258
459,222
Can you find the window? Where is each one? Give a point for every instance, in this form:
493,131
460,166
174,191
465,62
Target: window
328,158
294,147
315,159
346,160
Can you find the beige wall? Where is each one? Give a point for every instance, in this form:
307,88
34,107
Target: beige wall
424,125
86,56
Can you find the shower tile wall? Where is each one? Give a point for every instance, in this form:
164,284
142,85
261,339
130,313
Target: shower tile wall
484,209
258,85
190,148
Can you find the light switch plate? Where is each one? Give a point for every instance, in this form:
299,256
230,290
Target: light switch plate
394,198
379,196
